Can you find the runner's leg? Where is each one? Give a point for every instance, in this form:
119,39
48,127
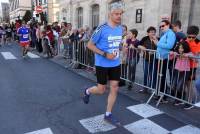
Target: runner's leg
112,95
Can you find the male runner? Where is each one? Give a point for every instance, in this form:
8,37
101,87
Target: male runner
105,43
23,33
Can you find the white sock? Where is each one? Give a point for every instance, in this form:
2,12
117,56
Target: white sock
87,92
108,113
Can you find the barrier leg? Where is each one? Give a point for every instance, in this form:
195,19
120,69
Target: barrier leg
151,97
161,97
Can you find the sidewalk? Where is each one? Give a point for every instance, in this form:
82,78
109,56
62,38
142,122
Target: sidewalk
191,116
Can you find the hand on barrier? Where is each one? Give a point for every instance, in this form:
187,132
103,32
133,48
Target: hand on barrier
142,48
131,46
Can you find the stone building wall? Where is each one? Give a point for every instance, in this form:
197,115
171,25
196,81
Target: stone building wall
152,12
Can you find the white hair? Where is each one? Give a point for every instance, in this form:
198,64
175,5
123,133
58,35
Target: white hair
116,5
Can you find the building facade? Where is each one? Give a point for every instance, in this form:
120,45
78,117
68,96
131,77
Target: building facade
43,4
18,8
50,9
5,12
139,14
53,10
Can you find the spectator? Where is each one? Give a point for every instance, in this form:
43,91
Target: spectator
132,55
123,56
56,36
33,35
47,47
149,56
197,85
164,45
39,38
194,45
87,34
8,30
178,31
181,70
180,36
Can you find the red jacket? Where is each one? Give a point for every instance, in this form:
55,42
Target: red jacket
50,35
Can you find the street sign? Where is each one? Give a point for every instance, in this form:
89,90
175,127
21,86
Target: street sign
39,9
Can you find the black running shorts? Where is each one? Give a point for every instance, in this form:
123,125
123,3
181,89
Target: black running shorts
107,73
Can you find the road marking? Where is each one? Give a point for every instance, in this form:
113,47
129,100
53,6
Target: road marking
96,124
145,110
189,129
145,126
8,55
31,55
42,131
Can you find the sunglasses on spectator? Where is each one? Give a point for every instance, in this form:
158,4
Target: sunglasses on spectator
162,26
191,37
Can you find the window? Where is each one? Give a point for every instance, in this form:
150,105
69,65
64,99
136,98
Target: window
40,2
80,17
175,10
57,16
138,16
44,2
95,15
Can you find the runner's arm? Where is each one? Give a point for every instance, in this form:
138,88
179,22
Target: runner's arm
93,48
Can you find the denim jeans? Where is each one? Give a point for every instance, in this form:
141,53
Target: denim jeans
197,85
68,50
160,74
132,69
148,73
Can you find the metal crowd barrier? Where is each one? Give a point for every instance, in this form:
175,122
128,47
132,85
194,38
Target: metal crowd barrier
64,50
141,67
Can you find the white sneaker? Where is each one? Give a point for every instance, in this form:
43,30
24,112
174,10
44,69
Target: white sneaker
188,107
197,104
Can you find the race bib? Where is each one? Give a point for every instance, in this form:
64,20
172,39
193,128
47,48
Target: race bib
25,36
116,53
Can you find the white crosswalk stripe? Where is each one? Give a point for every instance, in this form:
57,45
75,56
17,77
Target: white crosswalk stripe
189,129
144,110
42,131
31,55
8,55
96,124
144,125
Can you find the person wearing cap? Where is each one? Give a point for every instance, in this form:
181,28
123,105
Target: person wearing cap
105,43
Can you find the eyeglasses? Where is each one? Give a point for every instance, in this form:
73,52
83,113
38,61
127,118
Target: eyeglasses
191,37
162,26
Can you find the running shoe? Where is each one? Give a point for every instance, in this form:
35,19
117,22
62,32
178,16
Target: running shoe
188,107
86,97
110,119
